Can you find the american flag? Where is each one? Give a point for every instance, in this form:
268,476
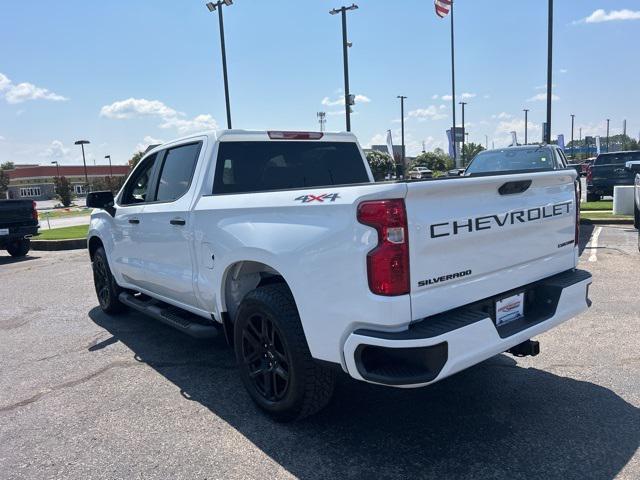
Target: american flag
443,7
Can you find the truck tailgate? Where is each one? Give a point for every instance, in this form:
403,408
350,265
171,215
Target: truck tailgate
474,237
16,213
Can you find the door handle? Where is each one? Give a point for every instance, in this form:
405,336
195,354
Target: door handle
134,221
177,221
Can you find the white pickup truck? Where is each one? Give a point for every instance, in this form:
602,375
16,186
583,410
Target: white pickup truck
282,241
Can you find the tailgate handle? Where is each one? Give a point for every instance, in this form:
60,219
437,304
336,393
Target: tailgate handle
511,188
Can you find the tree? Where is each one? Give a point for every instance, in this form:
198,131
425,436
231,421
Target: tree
135,159
4,178
470,150
63,190
4,183
435,161
381,164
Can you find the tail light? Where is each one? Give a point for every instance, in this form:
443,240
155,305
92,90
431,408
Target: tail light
578,190
34,211
388,263
589,174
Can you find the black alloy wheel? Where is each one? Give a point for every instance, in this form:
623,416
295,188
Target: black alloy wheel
264,353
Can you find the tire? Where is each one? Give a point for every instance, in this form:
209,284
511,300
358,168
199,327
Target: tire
636,218
276,366
107,290
19,248
593,197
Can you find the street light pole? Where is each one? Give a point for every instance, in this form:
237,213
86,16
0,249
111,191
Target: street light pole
345,54
463,132
110,168
82,143
212,7
608,120
549,72
573,118
526,126
453,91
404,153
57,168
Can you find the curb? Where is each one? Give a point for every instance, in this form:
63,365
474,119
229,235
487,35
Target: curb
57,245
606,221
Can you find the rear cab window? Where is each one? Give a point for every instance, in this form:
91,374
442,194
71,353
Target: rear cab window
512,159
619,158
259,166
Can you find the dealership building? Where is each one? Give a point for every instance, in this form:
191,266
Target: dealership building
36,182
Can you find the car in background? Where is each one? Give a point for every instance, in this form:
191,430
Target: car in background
586,166
18,223
634,168
518,159
609,171
419,173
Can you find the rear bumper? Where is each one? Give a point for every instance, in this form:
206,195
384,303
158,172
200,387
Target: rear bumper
444,344
18,233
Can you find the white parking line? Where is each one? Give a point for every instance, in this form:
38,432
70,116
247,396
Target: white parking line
593,245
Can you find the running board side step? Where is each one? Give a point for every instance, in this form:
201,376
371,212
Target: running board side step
171,316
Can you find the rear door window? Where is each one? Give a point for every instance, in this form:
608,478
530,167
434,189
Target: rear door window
244,167
178,166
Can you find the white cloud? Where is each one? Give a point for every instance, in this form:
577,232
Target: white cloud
602,15
435,97
431,112
4,82
2,138
487,96
563,70
137,107
146,142
464,96
542,97
140,107
21,92
197,124
326,101
56,150
502,116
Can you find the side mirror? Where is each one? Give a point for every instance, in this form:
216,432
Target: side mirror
102,200
633,166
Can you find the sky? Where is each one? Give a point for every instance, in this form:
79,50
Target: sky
124,74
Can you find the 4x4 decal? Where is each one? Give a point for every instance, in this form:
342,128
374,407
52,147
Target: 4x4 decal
331,197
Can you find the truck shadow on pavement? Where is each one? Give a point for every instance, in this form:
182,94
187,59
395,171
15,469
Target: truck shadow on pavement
496,420
586,230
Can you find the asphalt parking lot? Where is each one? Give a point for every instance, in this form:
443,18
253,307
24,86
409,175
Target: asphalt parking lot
84,395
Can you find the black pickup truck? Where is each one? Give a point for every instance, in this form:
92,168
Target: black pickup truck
18,223
607,172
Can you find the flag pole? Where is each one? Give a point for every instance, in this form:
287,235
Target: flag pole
453,91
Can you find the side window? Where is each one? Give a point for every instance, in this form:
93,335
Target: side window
137,189
177,171
562,159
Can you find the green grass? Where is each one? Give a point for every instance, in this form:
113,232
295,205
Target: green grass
595,215
64,213
595,206
66,233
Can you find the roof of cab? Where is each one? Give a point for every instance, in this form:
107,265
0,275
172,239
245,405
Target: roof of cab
252,135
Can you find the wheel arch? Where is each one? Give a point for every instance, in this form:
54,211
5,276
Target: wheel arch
243,276
93,244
